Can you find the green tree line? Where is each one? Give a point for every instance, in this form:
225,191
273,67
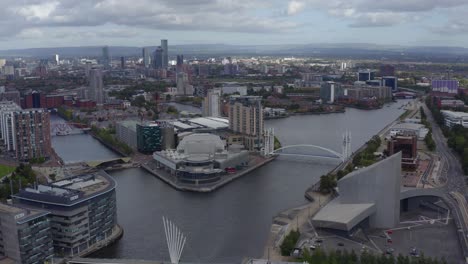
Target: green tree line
345,257
107,135
23,174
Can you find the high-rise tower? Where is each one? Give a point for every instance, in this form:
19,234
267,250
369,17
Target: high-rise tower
165,55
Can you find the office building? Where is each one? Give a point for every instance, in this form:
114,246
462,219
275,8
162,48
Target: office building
329,91
158,58
390,81
2,62
387,70
34,100
382,93
183,86
212,103
445,86
25,235
106,58
180,63
122,62
246,118
146,57
25,133
234,87
12,95
200,158
96,89
126,132
8,70
57,59
149,137
366,75
180,60
407,144
455,118
449,103
82,210
165,55
168,135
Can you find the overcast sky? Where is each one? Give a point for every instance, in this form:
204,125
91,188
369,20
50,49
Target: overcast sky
52,23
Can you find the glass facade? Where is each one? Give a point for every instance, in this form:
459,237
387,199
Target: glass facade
148,138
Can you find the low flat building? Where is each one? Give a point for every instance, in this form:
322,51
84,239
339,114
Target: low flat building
82,210
419,130
451,103
200,158
455,118
25,235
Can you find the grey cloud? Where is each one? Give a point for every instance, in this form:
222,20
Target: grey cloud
381,13
202,15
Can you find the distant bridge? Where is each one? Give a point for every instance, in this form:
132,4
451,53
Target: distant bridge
68,128
335,155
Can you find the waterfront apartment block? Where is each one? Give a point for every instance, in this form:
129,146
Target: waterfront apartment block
212,103
126,132
246,118
25,133
25,235
82,210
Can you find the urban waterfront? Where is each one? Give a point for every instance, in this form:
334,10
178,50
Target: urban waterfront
234,221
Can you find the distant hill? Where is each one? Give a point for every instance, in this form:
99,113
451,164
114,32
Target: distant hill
351,50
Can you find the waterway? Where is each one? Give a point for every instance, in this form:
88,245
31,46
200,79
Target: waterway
234,221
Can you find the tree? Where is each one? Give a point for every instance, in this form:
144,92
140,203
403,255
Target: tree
139,101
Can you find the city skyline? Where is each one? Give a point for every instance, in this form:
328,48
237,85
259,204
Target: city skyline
141,23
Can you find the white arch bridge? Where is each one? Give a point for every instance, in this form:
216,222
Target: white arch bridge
269,140
334,154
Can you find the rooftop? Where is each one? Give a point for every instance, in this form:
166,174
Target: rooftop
20,214
408,126
129,124
69,191
455,114
211,122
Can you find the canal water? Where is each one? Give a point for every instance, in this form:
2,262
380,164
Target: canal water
234,221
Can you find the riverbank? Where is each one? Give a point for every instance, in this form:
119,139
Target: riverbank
225,179
284,222
109,146
292,219
318,113
117,234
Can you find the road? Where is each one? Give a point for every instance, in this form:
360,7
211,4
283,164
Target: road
455,180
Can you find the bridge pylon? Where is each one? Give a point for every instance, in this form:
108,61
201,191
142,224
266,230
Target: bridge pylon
347,151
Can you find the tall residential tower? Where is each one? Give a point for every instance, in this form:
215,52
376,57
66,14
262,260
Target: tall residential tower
165,55
246,118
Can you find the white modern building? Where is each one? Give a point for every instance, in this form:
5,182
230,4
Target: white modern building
233,87
200,158
409,128
371,197
455,118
